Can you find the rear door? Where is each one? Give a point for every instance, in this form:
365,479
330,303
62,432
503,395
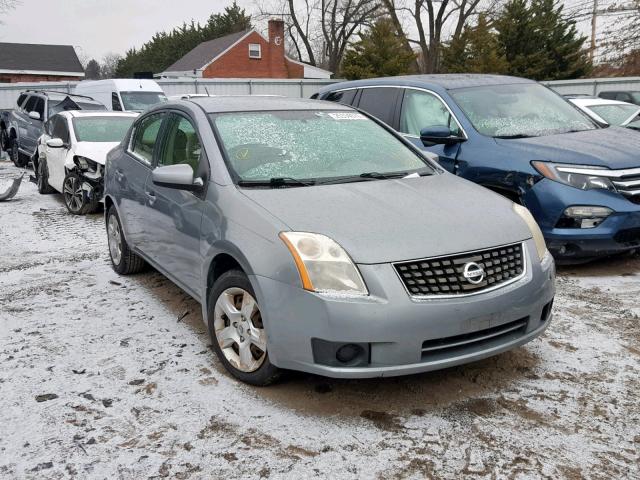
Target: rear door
421,109
175,215
129,173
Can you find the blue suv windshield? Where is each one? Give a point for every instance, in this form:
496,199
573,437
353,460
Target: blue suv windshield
519,110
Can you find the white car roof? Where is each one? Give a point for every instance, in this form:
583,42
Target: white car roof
590,102
96,113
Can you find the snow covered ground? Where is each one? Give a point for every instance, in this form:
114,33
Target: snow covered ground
103,376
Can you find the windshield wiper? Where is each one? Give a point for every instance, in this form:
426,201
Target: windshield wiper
382,176
277,182
516,135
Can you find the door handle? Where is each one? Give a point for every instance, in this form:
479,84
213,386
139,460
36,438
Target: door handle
150,196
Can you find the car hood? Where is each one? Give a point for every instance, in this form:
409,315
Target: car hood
612,147
392,220
96,151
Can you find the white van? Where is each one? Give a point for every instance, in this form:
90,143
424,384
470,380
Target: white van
123,94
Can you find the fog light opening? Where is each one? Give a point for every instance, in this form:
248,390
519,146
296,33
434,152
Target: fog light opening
347,353
583,217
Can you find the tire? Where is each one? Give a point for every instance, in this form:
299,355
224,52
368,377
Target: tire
230,299
42,178
4,141
14,153
123,260
74,197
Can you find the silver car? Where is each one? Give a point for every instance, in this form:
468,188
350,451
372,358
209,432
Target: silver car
317,239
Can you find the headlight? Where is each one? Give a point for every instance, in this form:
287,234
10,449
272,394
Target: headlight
86,164
578,176
323,265
525,214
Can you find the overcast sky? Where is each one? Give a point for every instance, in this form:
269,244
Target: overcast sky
102,26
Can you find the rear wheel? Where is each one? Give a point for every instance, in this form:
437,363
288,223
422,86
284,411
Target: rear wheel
42,177
74,196
123,260
237,331
14,153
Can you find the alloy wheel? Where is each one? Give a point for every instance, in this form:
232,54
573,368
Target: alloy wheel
239,329
73,195
115,239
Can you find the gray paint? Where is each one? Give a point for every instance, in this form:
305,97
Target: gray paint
376,222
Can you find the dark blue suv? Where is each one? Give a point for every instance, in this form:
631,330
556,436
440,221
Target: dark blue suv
580,180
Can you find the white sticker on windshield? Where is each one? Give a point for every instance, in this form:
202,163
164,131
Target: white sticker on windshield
347,116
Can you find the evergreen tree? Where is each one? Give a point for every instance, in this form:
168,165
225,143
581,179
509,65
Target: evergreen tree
476,50
92,70
165,48
379,52
539,42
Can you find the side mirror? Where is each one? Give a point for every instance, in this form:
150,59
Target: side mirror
34,115
176,176
55,143
438,135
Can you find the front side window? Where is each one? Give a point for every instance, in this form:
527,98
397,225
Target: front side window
140,101
519,110
422,109
115,102
254,50
39,107
182,144
101,129
144,137
60,129
30,104
312,145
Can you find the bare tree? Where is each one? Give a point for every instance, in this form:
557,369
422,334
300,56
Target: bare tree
6,5
109,65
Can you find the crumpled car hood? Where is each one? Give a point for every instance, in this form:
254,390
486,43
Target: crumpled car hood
96,151
612,147
392,220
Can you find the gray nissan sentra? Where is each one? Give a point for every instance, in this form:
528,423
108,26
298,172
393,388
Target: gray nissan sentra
317,239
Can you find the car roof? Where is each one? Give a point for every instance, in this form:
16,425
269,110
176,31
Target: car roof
257,103
447,81
96,113
588,102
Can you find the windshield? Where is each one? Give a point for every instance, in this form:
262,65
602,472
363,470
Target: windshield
519,110
140,101
614,114
312,145
101,129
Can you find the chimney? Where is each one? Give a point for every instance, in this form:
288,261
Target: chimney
277,66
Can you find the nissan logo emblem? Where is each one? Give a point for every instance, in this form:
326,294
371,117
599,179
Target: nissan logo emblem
473,272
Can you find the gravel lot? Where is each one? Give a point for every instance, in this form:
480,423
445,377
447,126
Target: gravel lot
105,377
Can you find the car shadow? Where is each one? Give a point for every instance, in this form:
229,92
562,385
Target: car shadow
623,265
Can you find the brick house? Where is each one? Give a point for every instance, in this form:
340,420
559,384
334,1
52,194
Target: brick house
25,62
246,54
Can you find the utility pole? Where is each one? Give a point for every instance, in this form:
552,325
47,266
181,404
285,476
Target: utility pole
594,16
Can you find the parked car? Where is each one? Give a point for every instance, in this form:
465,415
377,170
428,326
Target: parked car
72,153
524,141
608,112
123,94
318,239
622,96
21,127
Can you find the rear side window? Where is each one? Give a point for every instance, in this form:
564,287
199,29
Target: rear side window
608,95
380,102
344,96
21,99
182,145
145,135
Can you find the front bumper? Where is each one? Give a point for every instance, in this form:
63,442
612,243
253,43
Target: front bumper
395,327
618,233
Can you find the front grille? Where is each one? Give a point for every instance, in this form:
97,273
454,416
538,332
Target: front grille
460,343
630,237
627,182
445,275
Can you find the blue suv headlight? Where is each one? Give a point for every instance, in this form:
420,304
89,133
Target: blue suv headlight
584,177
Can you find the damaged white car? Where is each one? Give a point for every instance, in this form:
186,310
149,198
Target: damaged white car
72,153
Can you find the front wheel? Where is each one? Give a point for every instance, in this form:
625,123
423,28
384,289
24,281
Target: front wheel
74,197
237,331
14,154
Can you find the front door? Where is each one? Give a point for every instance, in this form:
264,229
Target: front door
175,215
56,157
421,109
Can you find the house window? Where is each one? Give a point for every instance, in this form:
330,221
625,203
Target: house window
254,50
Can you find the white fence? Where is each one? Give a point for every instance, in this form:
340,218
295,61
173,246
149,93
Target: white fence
593,86
290,88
